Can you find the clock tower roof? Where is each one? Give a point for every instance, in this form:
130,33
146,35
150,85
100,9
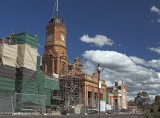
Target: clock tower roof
56,20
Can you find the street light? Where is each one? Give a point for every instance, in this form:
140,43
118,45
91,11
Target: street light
99,70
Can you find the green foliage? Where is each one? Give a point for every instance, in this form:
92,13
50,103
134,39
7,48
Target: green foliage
131,103
157,100
154,109
141,100
151,115
148,115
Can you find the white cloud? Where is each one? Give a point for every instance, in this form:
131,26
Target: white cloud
154,63
98,40
155,9
88,67
110,59
159,75
136,72
156,50
137,60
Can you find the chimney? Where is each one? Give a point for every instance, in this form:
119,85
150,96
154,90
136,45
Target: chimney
116,84
9,40
2,40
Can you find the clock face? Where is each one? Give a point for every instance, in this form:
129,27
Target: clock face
62,37
49,36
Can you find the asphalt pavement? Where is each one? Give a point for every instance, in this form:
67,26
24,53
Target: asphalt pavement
73,116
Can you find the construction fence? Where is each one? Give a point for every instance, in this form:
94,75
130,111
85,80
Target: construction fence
34,103
19,102
71,105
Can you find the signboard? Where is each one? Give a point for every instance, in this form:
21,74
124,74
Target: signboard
77,110
102,106
108,107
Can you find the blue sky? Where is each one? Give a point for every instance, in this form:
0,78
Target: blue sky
122,35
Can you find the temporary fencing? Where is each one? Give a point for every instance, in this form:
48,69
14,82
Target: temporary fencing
19,102
6,103
71,105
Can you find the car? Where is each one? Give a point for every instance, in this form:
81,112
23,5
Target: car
92,111
110,111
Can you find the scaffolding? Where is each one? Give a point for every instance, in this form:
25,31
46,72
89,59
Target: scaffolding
69,90
20,73
70,86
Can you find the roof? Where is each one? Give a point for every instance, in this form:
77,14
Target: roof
56,20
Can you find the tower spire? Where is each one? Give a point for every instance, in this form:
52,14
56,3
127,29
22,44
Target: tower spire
57,8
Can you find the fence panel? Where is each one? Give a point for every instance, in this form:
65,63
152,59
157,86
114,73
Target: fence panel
19,102
6,104
29,103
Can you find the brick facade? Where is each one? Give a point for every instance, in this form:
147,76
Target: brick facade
118,94
55,60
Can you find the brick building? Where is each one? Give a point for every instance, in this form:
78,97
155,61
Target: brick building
89,85
55,60
117,96
74,84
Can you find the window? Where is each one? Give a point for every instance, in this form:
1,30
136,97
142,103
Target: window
63,68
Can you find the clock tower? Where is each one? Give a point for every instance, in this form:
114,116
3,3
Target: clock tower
54,60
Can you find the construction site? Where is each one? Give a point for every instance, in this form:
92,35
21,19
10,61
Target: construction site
33,83
25,88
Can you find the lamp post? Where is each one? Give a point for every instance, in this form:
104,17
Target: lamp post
99,70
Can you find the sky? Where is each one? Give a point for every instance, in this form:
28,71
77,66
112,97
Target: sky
122,35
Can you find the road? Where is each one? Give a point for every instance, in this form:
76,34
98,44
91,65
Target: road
73,116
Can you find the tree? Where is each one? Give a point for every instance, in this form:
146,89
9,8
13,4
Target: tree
131,103
153,108
157,100
141,100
